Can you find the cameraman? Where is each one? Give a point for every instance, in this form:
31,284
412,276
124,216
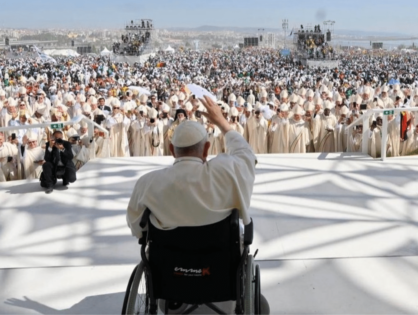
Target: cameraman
58,163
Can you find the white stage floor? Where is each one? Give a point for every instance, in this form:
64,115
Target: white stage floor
336,233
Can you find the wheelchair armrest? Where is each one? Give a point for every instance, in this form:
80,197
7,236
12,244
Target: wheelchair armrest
144,220
248,233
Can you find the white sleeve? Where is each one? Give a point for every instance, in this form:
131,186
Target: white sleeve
110,122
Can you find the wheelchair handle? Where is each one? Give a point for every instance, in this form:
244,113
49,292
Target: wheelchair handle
145,217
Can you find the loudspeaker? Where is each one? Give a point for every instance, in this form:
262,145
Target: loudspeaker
261,38
72,43
328,36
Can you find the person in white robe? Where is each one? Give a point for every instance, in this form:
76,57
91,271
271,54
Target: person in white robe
410,146
32,157
116,123
375,146
327,134
279,131
298,132
316,122
340,130
154,134
167,121
8,159
257,129
394,135
136,136
309,123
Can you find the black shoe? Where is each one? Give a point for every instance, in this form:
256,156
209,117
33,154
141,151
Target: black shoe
65,183
49,190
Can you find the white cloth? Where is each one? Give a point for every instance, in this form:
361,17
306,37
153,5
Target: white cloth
193,193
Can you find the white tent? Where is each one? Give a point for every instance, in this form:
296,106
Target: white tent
170,49
62,52
105,52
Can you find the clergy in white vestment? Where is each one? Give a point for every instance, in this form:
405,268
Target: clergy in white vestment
137,132
118,136
257,129
279,131
341,130
167,121
327,132
32,156
298,132
410,145
154,134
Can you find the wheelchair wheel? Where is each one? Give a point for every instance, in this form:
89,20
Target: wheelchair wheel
249,286
257,291
138,301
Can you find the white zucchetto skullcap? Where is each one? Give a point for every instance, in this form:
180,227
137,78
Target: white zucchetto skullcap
188,134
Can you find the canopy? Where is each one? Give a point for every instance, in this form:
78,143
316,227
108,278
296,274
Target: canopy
105,52
62,52
170,49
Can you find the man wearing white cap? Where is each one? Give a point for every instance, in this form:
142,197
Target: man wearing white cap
137,135
387,101
196,192
298,132
32,156
118,135
154,134
341,131
256,131
166,121
279,131
327,136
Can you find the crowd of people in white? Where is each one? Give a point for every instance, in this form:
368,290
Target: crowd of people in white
277,105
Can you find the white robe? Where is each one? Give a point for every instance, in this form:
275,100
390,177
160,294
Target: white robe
154,136
137,137
298,136
257,134
327,133
32,170
411,144
8,170
118,136
279,133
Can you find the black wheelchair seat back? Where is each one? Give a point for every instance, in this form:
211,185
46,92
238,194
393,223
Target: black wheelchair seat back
195,265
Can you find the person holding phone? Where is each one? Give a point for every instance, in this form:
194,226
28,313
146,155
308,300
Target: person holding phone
57,163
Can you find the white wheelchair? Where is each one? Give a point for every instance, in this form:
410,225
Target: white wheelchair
188,267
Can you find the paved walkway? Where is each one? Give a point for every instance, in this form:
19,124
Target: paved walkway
336,233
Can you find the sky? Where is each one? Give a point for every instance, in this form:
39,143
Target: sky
367,15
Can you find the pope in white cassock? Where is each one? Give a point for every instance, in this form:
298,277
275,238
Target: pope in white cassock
197,192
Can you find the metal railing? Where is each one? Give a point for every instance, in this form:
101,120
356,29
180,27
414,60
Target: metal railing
364,119
60,124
